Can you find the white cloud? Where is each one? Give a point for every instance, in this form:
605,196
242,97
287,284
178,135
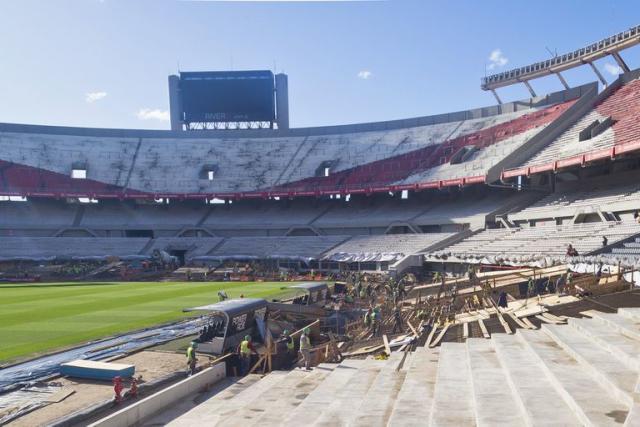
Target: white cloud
497,59
613,69
365,74
153,114
91,97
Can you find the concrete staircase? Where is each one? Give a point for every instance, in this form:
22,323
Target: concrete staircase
582,373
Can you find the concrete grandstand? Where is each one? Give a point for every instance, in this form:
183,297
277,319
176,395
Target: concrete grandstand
464,185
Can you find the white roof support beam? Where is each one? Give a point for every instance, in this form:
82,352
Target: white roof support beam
600,77
611,45
620,61
562,80
526,83
495,94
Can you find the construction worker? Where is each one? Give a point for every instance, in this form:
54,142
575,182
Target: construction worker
291,346
436,277
305,348
367,318
133,391
397,315
117,389
191,358
531,287
375,321
245,350
569,280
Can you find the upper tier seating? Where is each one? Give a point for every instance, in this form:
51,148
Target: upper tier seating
145,166
492,139
623,106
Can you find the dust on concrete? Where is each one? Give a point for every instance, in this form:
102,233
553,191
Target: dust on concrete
149,364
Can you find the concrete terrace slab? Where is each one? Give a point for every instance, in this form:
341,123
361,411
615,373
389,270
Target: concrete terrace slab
527,379
453,402
591,402
495,403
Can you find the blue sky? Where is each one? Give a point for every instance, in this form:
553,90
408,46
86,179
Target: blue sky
105,63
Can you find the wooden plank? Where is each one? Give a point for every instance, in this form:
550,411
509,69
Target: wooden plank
440,336
518,321
59,396
545,320
588,313
465,330
365,350
554,318
527,322
415,333
483,328
505,325
299,331
387,349
430,337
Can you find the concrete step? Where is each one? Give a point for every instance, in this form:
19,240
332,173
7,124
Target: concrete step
592,403
280,395
627,326
220,392
632,313
452,401
415,400
213,409
495,404
319,399
528,381
378,403
604,368
273,407
341,409
624,348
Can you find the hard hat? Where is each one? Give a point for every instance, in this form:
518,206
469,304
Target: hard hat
306,331
285,332
194,344
247,337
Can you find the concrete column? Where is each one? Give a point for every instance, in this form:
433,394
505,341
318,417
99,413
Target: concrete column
282,101
175,103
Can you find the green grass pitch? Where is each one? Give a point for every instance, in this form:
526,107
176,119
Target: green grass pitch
36,318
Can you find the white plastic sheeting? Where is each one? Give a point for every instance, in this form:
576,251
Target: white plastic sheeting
365,257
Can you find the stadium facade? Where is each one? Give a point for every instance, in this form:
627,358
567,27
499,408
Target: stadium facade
511,183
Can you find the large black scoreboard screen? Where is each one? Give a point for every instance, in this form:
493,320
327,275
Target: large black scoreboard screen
227,96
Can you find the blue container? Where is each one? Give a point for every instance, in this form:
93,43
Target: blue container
96,370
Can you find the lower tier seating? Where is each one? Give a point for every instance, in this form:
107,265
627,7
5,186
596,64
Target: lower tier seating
583,373
548,240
